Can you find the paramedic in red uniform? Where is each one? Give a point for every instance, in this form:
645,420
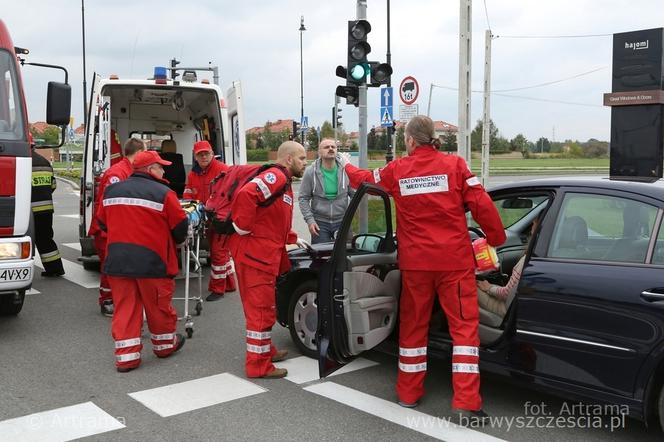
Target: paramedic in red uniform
207,167
260,254
431,191
144,222
119,171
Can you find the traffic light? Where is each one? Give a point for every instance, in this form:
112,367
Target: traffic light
296,129
336,116
174,64
358,49
380,73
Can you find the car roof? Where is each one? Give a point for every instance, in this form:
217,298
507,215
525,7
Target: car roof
652,187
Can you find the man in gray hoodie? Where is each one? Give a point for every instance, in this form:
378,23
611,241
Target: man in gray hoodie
324,193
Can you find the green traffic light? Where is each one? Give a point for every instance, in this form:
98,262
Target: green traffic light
358,72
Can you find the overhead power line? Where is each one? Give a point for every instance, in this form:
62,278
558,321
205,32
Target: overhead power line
486,11
555,36
549,101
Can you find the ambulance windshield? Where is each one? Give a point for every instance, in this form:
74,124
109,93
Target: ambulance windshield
11,105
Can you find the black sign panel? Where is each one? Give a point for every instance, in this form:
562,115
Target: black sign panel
637,60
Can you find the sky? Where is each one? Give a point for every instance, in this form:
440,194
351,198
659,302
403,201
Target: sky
258,43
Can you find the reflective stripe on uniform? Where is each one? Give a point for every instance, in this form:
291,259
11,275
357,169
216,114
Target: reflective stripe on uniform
127,342
50,256
413,368
376,175
217,275
465,368
260,349
263,187
104,289
473,181
134,202
259,335
128,357
163,337
162,347
465,350
419,351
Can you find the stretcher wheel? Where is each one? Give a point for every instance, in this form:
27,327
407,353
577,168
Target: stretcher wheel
199,308
190,332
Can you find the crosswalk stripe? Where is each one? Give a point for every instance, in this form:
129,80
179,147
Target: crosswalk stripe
64,423
303,369
33,292
73,245
195,394
438,428
75,273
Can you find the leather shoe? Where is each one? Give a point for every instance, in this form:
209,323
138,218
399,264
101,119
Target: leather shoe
408,404
178,345
214,297
280,355
53,274
276,373
473,418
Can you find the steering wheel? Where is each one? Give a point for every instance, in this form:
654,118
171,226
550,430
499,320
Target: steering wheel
477,231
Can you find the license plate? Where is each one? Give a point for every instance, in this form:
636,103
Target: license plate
14,274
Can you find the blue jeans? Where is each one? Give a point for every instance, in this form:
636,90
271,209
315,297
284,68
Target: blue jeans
327,233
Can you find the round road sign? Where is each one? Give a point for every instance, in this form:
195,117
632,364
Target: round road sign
409,90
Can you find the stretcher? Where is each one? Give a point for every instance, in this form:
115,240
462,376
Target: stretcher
190,255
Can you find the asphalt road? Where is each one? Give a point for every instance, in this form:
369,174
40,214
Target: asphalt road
60,383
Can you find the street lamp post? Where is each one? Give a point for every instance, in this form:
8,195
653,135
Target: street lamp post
302,29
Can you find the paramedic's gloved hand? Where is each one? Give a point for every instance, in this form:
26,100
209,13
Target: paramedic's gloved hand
303,244
344,158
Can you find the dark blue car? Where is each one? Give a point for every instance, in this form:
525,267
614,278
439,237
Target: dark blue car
587,320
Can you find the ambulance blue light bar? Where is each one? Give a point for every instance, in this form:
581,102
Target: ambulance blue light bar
160,75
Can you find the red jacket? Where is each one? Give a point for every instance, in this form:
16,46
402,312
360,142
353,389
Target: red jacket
119,171
144,222
263,231
198,180
431,191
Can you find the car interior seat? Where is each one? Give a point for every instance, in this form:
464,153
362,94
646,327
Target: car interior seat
175,173
572,239
633,246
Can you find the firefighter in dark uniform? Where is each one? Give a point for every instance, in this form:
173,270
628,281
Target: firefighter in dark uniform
43,185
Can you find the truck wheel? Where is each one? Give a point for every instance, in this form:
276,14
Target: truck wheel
303,317
11,304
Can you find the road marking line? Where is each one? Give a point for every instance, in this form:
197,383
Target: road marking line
75,273
75,215
303,369
439,428
195,394
33,292
64,423
73,245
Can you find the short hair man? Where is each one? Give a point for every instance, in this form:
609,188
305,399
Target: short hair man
324,193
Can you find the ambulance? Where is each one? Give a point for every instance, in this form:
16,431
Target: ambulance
16,228
163,107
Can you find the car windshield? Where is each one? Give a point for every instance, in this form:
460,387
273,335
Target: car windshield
11,111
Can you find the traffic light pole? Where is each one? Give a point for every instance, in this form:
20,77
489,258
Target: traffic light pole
362,128
389,154
465,53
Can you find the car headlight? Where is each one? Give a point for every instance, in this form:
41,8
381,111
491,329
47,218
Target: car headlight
14,250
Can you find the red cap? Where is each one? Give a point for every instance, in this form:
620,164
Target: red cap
148,157
202,146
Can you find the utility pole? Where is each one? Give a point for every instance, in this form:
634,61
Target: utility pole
389,155
302,29
362,128
334,123
429,105
486,125
465,54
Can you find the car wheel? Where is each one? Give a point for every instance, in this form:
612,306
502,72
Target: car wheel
303,317
660,408
11,304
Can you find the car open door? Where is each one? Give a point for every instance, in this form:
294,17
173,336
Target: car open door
93,162
236,149
359,286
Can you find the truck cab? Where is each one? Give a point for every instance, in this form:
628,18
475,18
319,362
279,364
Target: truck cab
155,110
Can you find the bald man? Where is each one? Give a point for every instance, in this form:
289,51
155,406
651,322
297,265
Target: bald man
260,254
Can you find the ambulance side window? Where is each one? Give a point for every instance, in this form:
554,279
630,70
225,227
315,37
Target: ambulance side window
11,115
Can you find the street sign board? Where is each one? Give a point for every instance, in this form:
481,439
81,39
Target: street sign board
386,95
409,90
304,124
386,116
406,113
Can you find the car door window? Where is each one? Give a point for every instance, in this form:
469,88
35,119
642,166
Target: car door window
602,228
658,254
513,209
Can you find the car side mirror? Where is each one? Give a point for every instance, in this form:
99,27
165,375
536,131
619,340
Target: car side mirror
58,103
367,242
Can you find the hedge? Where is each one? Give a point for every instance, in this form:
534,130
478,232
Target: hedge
257,155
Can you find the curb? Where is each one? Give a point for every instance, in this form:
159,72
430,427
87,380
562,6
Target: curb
68,181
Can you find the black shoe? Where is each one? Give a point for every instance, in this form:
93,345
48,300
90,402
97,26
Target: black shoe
53,274
107,308
407,404
178,345
214,297
124,369
471,418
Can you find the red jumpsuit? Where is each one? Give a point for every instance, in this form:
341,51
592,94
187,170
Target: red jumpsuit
259,253
430,191
144,221
222,276
116,173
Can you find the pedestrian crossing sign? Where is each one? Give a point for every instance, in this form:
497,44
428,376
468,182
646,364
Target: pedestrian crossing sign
386,116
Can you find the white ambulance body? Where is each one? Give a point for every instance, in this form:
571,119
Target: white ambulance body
154,110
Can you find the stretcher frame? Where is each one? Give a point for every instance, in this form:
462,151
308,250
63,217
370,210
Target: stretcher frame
190,253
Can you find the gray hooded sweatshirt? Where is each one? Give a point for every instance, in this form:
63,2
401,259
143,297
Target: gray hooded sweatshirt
314,205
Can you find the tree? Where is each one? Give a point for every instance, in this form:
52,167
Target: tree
476,135
371,139
312,138
400,143
595,149
326,130
542,145
519,143
449,142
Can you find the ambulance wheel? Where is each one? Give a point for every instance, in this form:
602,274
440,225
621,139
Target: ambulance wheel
199,308
12,303
190,332
303,317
